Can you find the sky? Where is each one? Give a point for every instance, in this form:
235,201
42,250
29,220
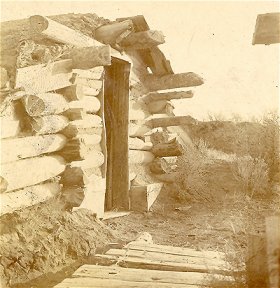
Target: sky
210,38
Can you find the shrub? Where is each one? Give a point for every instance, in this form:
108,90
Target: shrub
252,173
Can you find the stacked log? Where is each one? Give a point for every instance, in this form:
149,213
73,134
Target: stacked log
84,177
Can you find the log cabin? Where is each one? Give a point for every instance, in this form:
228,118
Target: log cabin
85,112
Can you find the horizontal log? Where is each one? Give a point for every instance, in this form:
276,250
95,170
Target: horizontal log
75,150
143,40
88,104
93,139
73,92
109,33
167,149
45,104
140,157
89,57
93,160
157,106
137,111
9,128
91,83
189,79
49,124
75,114
27,197
160,166
90,91
39,169
44,78
162,120
25,147
168,95
138,144
93,73
143,197
136,130
60,33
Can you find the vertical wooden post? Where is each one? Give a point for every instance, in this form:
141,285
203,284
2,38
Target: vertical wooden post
116,103
272,225
256,264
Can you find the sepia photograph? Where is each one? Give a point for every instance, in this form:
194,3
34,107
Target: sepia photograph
140,144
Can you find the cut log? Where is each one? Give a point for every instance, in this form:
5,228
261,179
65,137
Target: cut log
93,160
169,95
89,57
144,276
136,130
143,40
19,148
143,197
137,111
39,169
189,79
138,144
49,124
109,33
73,92
27,197
75,114
140,157
89,91
91,83
88,104
9,128
160,166
93,73
162,120
167,149
45,104
44,78
75,150
267,29
157,106
93,139
272,225
60,33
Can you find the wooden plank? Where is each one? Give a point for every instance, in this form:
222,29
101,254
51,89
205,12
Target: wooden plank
147,276
172,250
180,80
39,169
44,77
138,144
143,197
267,29
140,157
272,225
19,148
168,95
256,263
139,263
111,283
143,39
116,104
165,257
27,197
49,124
9,128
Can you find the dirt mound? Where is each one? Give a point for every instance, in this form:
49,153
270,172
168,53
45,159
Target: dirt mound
45,238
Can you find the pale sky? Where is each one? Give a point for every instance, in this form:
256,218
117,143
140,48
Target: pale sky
212,39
